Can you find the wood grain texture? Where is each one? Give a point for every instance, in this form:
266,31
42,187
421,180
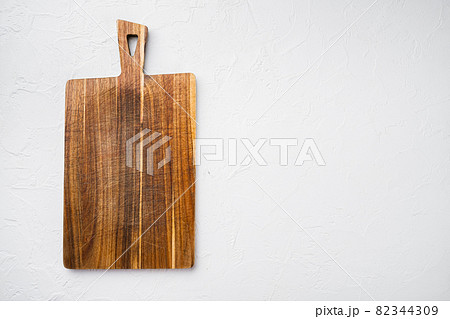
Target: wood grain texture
115,215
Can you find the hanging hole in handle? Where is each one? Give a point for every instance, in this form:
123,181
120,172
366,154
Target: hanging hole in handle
132,40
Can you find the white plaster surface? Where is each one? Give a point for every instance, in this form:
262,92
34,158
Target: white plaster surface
371,87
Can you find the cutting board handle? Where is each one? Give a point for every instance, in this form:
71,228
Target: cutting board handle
129,63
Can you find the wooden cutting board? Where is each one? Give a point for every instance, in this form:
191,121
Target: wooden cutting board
129,193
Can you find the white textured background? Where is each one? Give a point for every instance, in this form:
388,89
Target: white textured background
375,97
